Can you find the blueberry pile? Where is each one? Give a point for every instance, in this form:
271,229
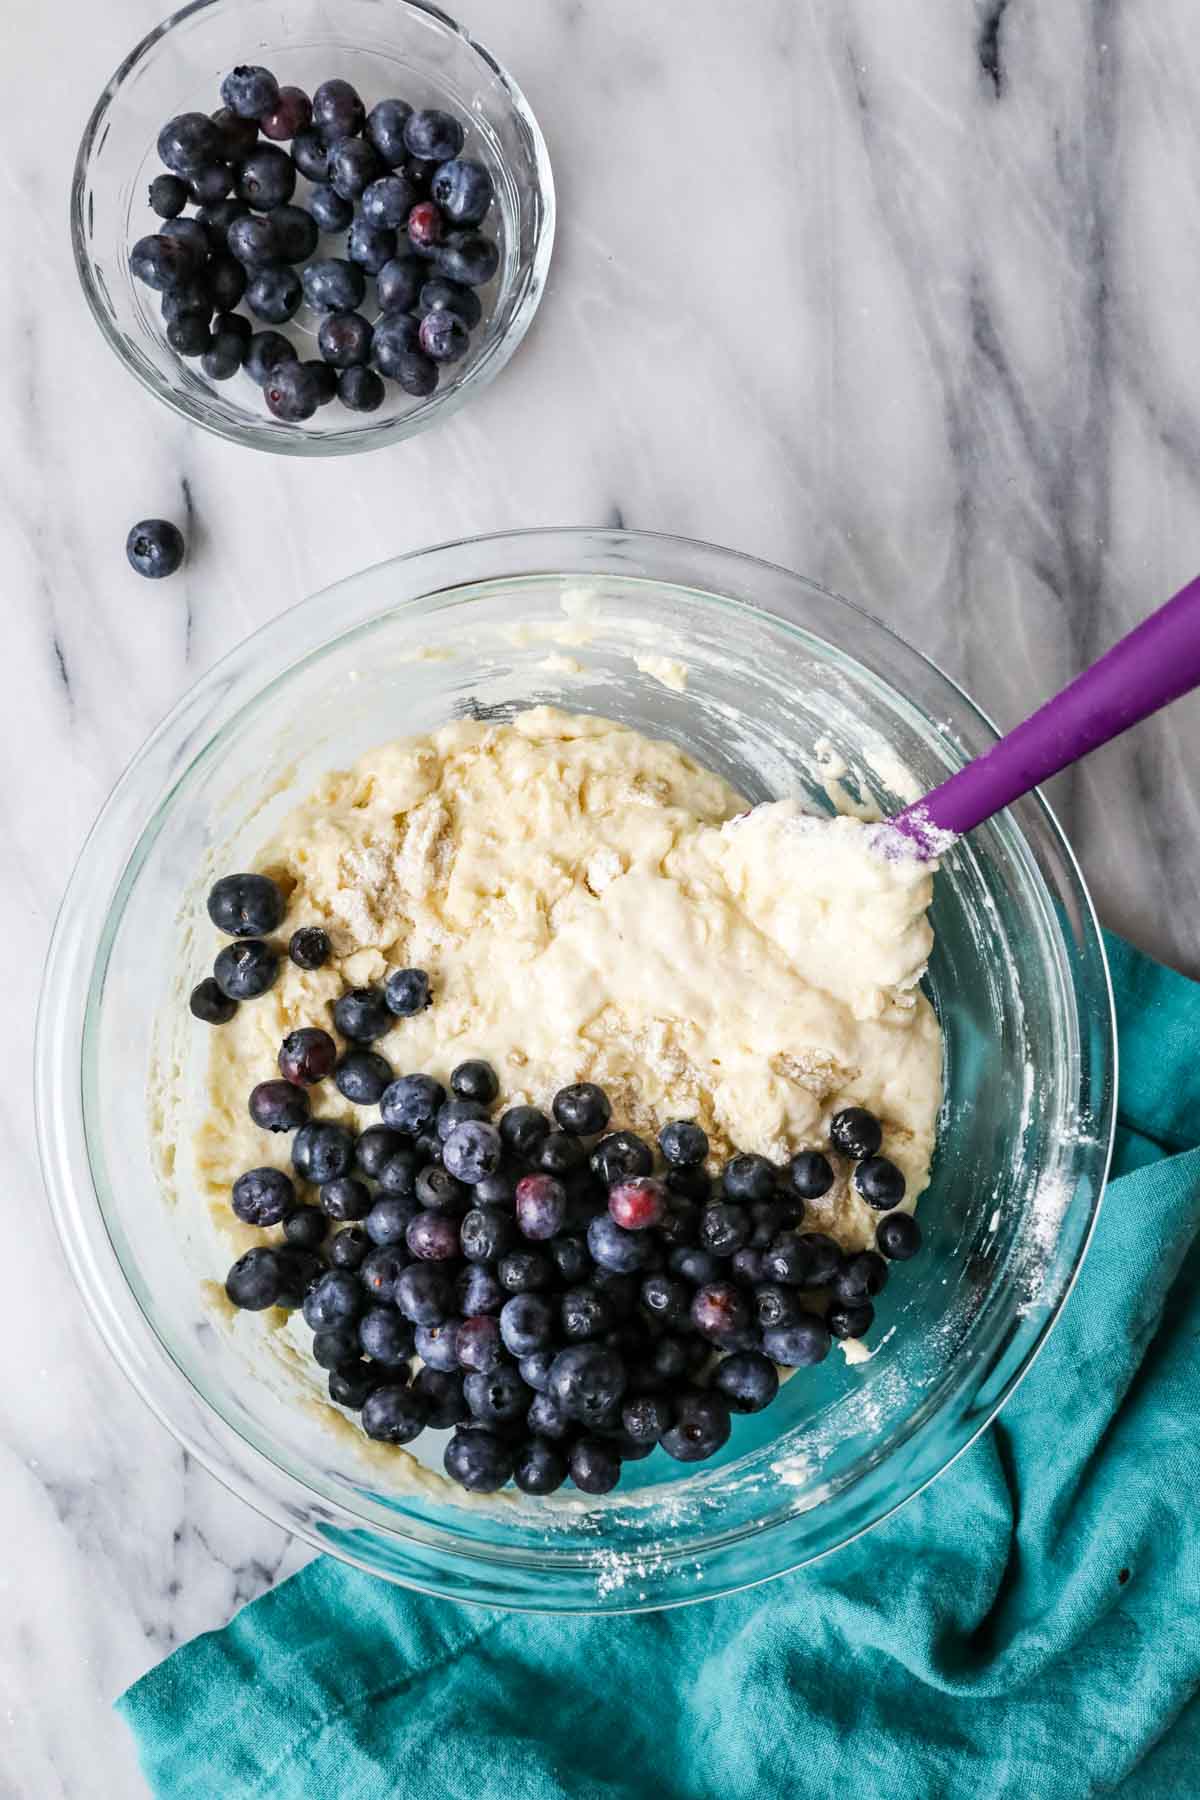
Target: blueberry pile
572,1295
393,180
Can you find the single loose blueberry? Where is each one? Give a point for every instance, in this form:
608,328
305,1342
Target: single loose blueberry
860,1277
588,1382
479,1461
245,969
291,113
292,391
396,335
541,1205
824,1258
439,1191
437,1345
407,992
344,339
463,189
306,1227
389,1218
337,111
442,1392
486,1234
362,1075
583,1109
539,1467
746,1178
523,1128
346,1197
226,280
250,91
224,356
594,1465
246,906
362,390
263,1197
331,284
295,232
621,1156
278,1106
526,1324
254,242
376,1145
809,1174
349,1386
879,1182
535,1368
380,1272
724,1228
327,207
398,1175
309,948
524,1271
189,335
208,1003
385,130
624,1252
423,1294
855,1132
388,201
432,135
456,1112
472,1150
398,285
478,1290
211,183
425,228
475,1081
850,1319
719,1311
746,1380
478,1344
266,179
267,353
560,1154
411,1103
336,1348
192,235
775,1304
701,1427
187,142
253,1283
164,263
350,1247
336,1299
585,1312
385,1337
638,1204
362,1015
433,1237
414,373
439,295
497,1396
467,257
898,1236
394,1415
353,165
683,1143
788,1259
546,1417
322,1151
237,136
799,1345
307,1055
168,196
310,153
646,1417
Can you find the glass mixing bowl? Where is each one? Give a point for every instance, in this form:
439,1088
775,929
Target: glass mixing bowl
383,47
593,621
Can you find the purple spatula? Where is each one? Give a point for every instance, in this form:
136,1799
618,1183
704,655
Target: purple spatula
1155,664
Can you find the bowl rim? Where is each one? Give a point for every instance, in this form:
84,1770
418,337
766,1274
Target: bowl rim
129,1334
267,435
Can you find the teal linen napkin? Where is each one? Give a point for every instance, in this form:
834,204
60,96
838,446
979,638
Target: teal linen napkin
1025,1627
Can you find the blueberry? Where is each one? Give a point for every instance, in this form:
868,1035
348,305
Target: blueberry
433,1237
478,1290
237,136
192,296
571,1257
719,1311
380,1272
526,1324
475,1081
389,1218
387,202
665,1299
398,1175
337,111
595,1465
346,1197
292,391
411,1103
438,295
326,379
263,1197
439,1191
336,1348
310,153
523,1128
683,1143
747,1381
208,185
478,1345
646,1417
809,1174
472,1150
855,1132
496,1396
187,142
353,165
190,233
361,1076
420,171
636,1205
350,1385
463,189
769,1217
349,1248
253,1283
396,336
879,1182
245,969
336,1299
217,220
375,1146
746,1266
540,1468
860,1277
296,232
675,1358
250,91
788,1260
694,1265
541,1205
433,136
680,1224
468,258
775,1304
307,1055
486,1234
585,1312
850,1319
624,1252
299,1270
799,1345
621,1156
583,1109
524,1271
479,1461
361,1014
322,1152
309,948
394,1415
208,1003
385,1337
748,1178
437,1345
329,210
266,353
406,992
385,130
535,1368
546,1417
398,284
414,372
168,196
560,1154
724,1228
266,179
291,112
361,390
443,1396
254,241
898,1236
587,1381
163,263
224,356
226,280
824,1258
189,335
425,228
423,1294
701,1427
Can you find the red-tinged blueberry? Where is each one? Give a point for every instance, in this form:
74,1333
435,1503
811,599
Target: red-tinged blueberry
437,1345
291,113
187,142
479,1461
439,295
789,1260
423,1294
336,1299
526,1324
398,1175
321,1151
621,1156
361,390
385,1337
250,91
266,353
855,1132
582,1109
362,1075
860,1277
263,1197
168,196
350,1386
353,165
639,1204
588,1382
746,1380
898,1236
433,1237
719,1311
380,1272
478,1291
478,1344
306,1056
879,1182
612,1247
595,1465
411,1103
385,130
497,1397
389,1218
775,1305
646,1417
209,1004
524,1272
349,1248
394,1415
463,189
850,1319
472,1150
467,257
425,228
442,1392
407,992
292,391
266,179
701,1427
335,1349
337,111
724,1228
432,136
331,284
540,1467
253,1283
278,1106
585,1312
346,1197
800,1345
344,339
309,948
376,1145
541,1206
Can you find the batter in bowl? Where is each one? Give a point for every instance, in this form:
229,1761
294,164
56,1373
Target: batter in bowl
592,905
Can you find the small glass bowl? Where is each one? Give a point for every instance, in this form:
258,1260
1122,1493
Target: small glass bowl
382,47
783,680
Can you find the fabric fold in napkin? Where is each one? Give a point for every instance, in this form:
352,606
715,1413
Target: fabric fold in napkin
1025,1627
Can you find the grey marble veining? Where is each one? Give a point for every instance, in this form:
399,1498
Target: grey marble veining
900,293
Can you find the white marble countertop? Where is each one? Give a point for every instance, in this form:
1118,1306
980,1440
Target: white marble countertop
900,293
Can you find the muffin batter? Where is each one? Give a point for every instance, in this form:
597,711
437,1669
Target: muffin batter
590,906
